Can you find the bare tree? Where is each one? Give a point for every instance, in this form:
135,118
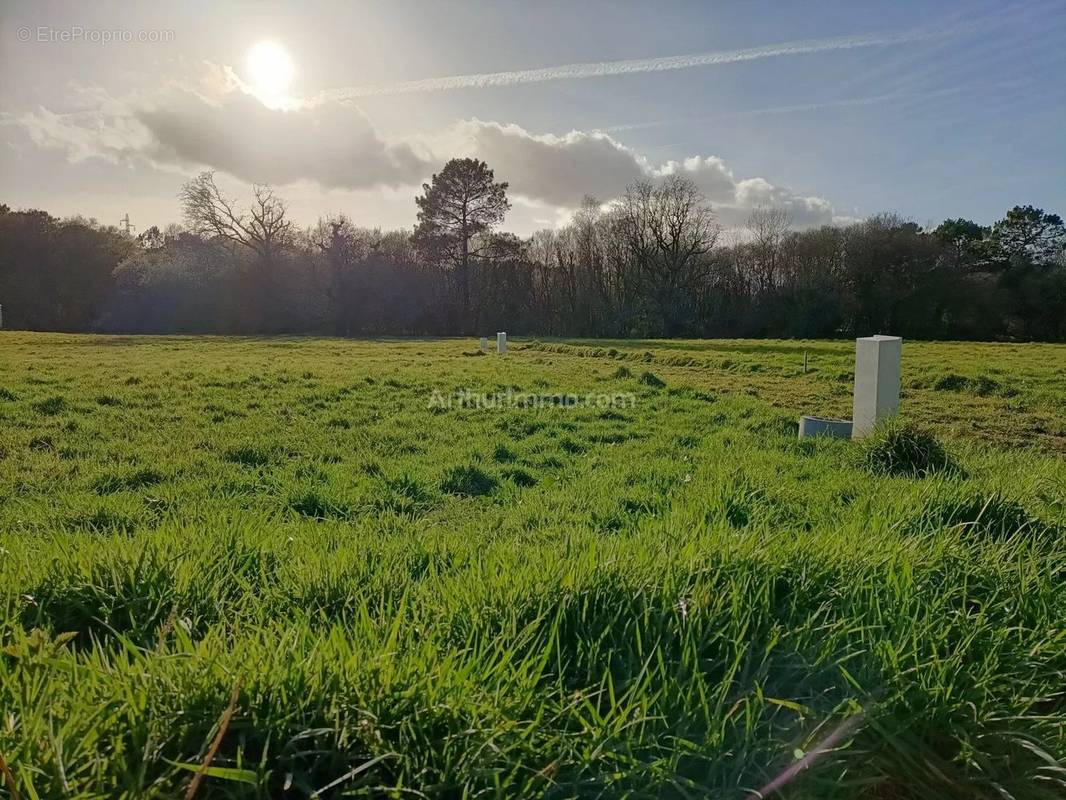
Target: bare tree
670,230
262,228
768,228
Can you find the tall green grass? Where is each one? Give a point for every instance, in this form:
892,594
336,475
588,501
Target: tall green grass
674,599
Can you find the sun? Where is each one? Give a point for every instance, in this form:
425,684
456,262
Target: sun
271,72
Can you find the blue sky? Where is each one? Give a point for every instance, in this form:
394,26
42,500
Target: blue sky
961,111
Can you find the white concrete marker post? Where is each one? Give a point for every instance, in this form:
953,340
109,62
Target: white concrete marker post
820,426
877,382
483,345
501,343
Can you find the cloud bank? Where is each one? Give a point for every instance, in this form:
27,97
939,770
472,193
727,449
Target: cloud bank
561,170
217,125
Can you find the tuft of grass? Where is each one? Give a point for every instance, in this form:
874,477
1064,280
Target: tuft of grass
130,481
403,495
993,514
897,447
653,380
51,406
315,504
105,520
248,455
520,477
950,383
981,385
572,446
468,481
503,454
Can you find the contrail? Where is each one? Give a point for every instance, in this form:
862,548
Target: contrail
602,69
819,106
856,101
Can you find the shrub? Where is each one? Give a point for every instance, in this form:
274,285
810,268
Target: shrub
901,448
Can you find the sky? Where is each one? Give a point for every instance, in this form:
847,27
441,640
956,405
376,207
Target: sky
830,110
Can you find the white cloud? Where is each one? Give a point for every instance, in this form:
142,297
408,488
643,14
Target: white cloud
708,172
335,146
555,169
805,211
562,169
214,123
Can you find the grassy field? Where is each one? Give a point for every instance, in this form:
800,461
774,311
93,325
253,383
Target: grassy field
330,566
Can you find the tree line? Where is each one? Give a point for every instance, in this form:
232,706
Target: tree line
653,263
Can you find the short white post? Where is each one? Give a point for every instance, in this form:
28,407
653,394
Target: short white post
877,382
501,343
483,345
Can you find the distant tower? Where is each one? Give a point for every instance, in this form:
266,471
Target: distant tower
124,223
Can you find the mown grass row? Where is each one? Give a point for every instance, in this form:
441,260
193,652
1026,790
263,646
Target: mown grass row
1010,394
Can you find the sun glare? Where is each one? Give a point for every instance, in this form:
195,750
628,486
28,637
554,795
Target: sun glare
270,71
